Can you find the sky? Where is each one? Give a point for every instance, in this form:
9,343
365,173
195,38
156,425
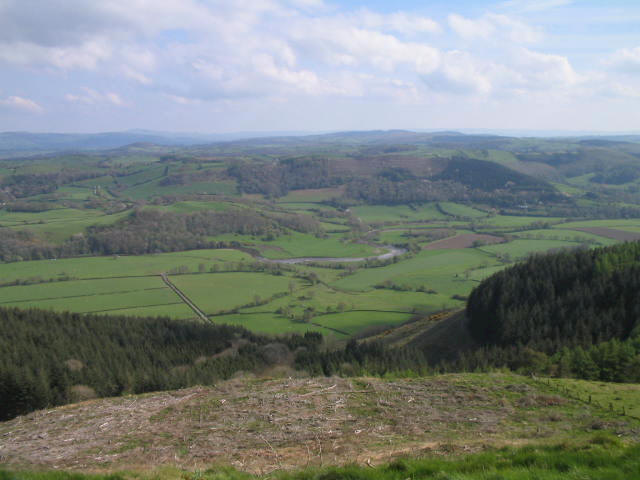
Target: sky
216,66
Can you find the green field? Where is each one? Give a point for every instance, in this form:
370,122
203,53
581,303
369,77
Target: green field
462,211
398,214
213,292
617,397
441,270
58,224
358,321
310,195
117,266
91,296
192,206
296,245
518,249
557,233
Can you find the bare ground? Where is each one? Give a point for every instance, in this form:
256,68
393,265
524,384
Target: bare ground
619,235
263,425
465,240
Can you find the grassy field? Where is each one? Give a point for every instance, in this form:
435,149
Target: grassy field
618,397
620,224
117,266
398,213
85,296
271,324
565,235
343,302
192,206
311,195
58,224
223,291
441,270
518,249
304,245
459,210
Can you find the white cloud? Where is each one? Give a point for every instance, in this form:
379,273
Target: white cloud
192,51
494,26
93,97
400,22
542,70
626,60
535,5
459,74
21,103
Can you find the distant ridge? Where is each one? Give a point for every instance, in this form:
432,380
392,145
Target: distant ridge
25,143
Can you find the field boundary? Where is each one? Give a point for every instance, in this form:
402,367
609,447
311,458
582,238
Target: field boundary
563,390
185,299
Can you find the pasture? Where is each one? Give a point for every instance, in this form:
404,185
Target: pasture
518,249
213,292
117,266
398,213
340,302
440,270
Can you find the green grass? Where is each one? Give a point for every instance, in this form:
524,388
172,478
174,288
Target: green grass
441,270
618,397
76,288
177,310
508,221
324,299
213,292
192,206
269,323
398,213
620,224
311,195
602,457
357,321
58,224
565,235
518,249
459,210
117,266
153,188
304,245
85,296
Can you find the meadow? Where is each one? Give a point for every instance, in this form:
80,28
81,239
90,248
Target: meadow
338,300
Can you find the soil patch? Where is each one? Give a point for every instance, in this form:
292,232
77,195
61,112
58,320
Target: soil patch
620,235
465,240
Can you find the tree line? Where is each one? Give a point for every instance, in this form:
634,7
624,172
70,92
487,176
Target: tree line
51,358
152,231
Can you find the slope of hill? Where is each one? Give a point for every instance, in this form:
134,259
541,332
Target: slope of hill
262,425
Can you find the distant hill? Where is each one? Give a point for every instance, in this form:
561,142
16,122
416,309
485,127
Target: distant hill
27,142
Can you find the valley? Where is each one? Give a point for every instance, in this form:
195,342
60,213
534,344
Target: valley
282,304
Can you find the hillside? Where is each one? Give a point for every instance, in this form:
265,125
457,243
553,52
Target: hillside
260,425
564,299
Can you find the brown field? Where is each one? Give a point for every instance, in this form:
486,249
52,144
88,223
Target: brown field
263,425
619,235
465,240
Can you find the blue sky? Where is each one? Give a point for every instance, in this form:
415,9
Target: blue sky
243,65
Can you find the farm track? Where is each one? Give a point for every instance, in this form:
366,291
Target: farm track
184,298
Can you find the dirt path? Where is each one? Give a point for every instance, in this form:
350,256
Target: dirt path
184,298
